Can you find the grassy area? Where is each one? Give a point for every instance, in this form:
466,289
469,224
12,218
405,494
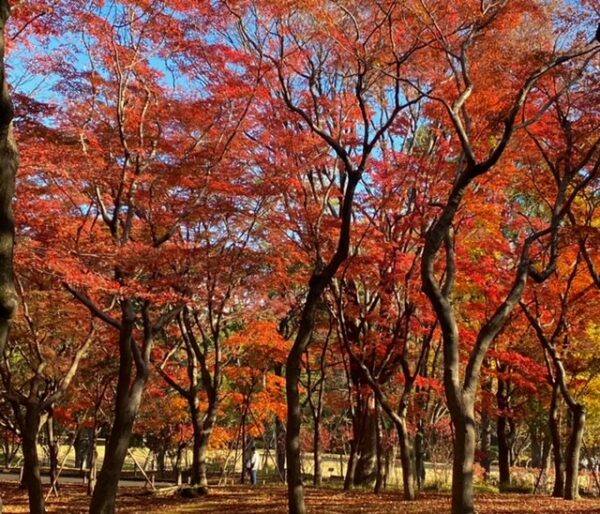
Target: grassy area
272,500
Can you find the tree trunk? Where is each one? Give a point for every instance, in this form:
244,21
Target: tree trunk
318,472
501,432
465,439
294,414
554,423
128,400
486,432
93,453
408,472
31,473
280,447
573,451
52,451
202,432
9,162
420,455
366,467
351,469
381,457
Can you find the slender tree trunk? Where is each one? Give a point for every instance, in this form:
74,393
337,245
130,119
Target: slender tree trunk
406,459
93,460
280,447
318,472
381,467
294,414
486,431
52,451
573,451
31,475
420,454
244,446
501,432
554,423
351,469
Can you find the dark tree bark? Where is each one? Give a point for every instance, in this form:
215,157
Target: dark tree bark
461,385
366,467
31,465
380,481
318,282
129,392
203,373
9,162
502,398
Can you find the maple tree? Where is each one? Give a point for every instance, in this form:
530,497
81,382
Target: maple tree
351,199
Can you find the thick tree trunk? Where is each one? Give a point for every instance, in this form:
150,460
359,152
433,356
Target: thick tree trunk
202,432
554,424
465,439
105,493
128,400
9,162
31,474
573,451
366,467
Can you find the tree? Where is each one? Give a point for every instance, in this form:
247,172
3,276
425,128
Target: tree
346,116
461,386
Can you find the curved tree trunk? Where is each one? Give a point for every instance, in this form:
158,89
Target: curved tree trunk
128,400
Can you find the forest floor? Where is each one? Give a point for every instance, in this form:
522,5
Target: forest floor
272,500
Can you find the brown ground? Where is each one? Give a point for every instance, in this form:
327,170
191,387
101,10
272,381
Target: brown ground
272,500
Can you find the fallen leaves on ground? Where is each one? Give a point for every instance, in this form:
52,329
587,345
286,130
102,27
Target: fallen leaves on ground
273,500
